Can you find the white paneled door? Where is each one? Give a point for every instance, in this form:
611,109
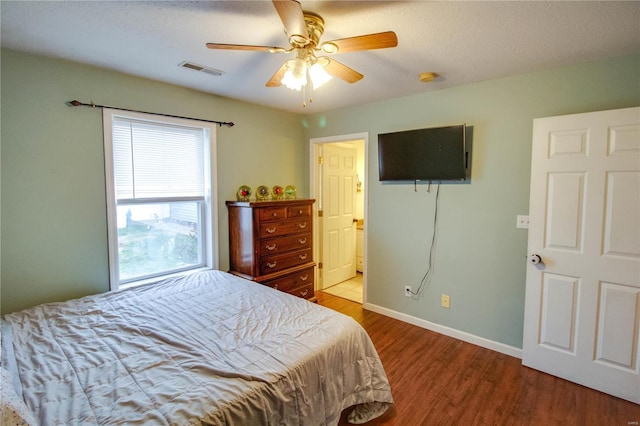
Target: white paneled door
582,309
338,230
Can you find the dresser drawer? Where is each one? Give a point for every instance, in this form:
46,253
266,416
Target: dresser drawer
283,261
275,229
271,246
272,213
299,211
306,292
293,281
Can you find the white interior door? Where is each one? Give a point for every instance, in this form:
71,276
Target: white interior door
339,203
582,309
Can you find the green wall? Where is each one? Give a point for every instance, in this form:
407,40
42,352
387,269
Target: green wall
53,223
53,218
480,256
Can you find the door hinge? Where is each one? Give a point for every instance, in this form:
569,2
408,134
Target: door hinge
319,213
320,159
319,265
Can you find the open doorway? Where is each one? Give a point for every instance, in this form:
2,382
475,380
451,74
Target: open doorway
338,172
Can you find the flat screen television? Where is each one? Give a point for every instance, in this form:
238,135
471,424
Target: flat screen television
432,154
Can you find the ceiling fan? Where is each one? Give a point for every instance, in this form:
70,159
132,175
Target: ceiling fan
304,30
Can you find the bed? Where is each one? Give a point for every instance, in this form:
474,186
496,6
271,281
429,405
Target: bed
207,348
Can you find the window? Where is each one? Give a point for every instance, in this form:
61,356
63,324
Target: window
159,196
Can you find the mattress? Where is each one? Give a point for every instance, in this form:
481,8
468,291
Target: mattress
208,348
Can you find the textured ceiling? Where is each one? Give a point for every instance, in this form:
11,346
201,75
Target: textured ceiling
463,42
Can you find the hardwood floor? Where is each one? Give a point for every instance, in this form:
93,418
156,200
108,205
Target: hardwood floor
438,380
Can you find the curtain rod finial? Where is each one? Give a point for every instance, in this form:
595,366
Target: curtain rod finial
74,103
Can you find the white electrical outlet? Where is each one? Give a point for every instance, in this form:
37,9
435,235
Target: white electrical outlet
407,291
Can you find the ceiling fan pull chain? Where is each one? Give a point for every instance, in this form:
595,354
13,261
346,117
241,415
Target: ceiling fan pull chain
309,88
306,93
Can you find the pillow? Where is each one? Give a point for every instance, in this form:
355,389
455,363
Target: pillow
14,410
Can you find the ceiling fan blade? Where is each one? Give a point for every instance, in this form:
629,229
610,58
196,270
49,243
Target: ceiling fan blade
341,71
291,15
363,42
276,79
271,49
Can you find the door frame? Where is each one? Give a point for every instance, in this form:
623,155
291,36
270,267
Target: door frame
314,176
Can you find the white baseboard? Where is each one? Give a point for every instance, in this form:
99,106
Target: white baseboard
447,331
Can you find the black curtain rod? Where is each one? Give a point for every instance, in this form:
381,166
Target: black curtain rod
92,105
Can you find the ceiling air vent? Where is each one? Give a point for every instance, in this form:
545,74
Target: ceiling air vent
201,68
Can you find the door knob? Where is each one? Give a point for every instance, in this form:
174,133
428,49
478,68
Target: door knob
535,259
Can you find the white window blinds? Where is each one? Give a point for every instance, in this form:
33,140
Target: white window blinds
157,160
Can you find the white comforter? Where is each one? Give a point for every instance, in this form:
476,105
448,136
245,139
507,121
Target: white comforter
209,348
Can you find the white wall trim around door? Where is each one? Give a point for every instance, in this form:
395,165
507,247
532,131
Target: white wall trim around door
314,145
447,331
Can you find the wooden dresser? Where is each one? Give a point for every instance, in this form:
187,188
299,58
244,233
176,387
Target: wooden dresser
271,243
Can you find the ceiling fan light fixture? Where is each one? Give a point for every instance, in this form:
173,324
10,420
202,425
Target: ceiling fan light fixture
296,75
318,75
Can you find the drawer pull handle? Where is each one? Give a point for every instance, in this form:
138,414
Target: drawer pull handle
299,211
274,214
304,293
302,225
304,277
271,247
271,265
271,230
302,240
303,256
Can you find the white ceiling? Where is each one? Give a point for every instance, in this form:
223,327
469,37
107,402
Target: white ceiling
463,42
